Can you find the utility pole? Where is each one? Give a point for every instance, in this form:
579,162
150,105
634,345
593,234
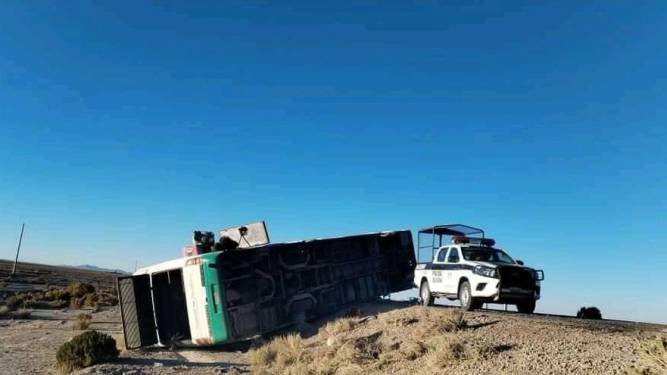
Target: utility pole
18,249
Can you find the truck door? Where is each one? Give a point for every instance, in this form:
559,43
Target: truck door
453,271
136,308
437,276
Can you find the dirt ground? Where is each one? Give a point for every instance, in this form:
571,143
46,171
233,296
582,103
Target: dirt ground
383,337
518,343
29,347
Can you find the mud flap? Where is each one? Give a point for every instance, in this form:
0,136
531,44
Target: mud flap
136,308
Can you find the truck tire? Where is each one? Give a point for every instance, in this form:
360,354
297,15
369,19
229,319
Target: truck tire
526,307
465,296
425,294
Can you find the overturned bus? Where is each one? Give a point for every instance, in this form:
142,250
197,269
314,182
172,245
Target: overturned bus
242,286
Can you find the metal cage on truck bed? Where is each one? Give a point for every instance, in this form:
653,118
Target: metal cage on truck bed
226,296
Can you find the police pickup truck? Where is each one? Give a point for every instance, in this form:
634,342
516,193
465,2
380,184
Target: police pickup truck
473,270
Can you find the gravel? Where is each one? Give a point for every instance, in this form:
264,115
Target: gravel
524,344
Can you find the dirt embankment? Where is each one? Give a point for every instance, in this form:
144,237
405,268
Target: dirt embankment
418,340
378,338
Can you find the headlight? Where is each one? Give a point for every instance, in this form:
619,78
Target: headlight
539,275
485,271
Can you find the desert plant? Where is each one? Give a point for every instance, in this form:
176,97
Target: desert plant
445,349
57,294
75,303
15,301
90,299
79,289
85,350
82,321
589,313
455,322
22,314
339,326
106,299
412,350
279,355
5,312
651,358
429,324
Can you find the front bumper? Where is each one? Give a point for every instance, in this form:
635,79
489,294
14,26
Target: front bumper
491,290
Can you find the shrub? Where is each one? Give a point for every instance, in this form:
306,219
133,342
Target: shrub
452,321
589,313
279,355
455,322
106,299
5,312
85,350
339,326
22,314
411,350
57,294
79,289
652,358
15,300
90,299
445,350
82,321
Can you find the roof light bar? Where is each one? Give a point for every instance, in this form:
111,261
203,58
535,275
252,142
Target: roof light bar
473,240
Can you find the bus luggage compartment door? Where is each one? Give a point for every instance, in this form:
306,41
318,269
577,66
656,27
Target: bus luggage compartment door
136,308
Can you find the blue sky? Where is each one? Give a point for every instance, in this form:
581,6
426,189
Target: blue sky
125,126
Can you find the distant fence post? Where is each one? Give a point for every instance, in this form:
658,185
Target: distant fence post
18,249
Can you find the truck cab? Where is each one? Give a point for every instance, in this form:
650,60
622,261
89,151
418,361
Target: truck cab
473,270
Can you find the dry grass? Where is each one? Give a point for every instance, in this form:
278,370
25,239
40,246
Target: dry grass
82,321
78,289
74,296
22,314
411,350
340,326
284,354
354,345
431,323
444,350
120,342
15,301
651,358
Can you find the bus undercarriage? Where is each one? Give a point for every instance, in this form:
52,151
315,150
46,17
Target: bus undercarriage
229,295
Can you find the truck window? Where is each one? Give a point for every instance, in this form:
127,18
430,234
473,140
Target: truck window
486,254
442,254
453,256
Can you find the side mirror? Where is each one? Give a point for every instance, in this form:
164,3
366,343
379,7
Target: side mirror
519,262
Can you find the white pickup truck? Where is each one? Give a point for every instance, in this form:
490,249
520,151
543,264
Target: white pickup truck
473,271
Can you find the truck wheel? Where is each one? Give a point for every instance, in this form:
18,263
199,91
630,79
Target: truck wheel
465,296
526,307
425,294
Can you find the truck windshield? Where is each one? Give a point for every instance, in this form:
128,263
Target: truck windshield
486,254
